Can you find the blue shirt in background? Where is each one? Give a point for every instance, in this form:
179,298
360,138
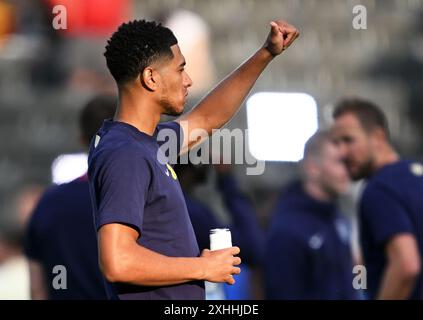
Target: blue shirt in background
244,227
391,204
61,232
308,252
130,186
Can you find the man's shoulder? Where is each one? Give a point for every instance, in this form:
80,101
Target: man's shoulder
395,178
129,159
122,150
59,199
398,171
57,192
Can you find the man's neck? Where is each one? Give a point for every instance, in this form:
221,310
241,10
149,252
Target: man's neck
316,192
385,156
137,111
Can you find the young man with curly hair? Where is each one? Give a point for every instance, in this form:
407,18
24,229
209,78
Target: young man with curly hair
147,246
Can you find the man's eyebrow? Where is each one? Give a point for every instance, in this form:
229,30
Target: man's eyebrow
183,64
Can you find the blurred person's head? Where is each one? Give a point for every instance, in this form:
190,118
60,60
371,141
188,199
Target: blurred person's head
144,59
93,114
25,200
362,134
323,171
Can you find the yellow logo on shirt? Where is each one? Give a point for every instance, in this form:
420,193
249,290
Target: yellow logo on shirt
169,167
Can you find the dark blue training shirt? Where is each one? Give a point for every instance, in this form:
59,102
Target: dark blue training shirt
308,252
392,203
130,186
61,232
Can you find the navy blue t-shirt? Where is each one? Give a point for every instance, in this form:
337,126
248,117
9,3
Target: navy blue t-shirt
61,232
129,185
308,252
392,203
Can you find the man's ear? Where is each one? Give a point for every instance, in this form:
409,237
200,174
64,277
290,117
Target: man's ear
309,168
150,79
379,135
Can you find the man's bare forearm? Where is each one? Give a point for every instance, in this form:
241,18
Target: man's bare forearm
142,266
395,285
402,269
220,105
122,259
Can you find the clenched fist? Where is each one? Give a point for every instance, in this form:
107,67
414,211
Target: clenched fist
280,37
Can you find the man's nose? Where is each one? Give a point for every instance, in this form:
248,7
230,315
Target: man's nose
188,81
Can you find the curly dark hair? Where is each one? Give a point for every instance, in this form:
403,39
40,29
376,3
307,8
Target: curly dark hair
134,46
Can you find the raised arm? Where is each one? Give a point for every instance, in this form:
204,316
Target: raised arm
219,106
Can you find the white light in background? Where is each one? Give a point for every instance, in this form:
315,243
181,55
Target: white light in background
68,167
279,125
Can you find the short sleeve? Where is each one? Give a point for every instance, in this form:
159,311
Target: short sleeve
384,214
123,182
170,138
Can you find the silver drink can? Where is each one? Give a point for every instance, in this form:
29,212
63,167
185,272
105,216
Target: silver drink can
220,239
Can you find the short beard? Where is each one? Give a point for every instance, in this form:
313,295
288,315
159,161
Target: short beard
167,107
364,171
169,110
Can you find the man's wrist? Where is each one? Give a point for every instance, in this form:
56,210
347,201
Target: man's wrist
266,53
199,269
270,52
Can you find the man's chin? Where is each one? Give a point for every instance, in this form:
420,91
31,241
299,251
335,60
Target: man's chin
173,112
358,175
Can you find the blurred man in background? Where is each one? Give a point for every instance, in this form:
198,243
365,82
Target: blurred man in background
308,247
244,226
14,266
61,230
391,207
